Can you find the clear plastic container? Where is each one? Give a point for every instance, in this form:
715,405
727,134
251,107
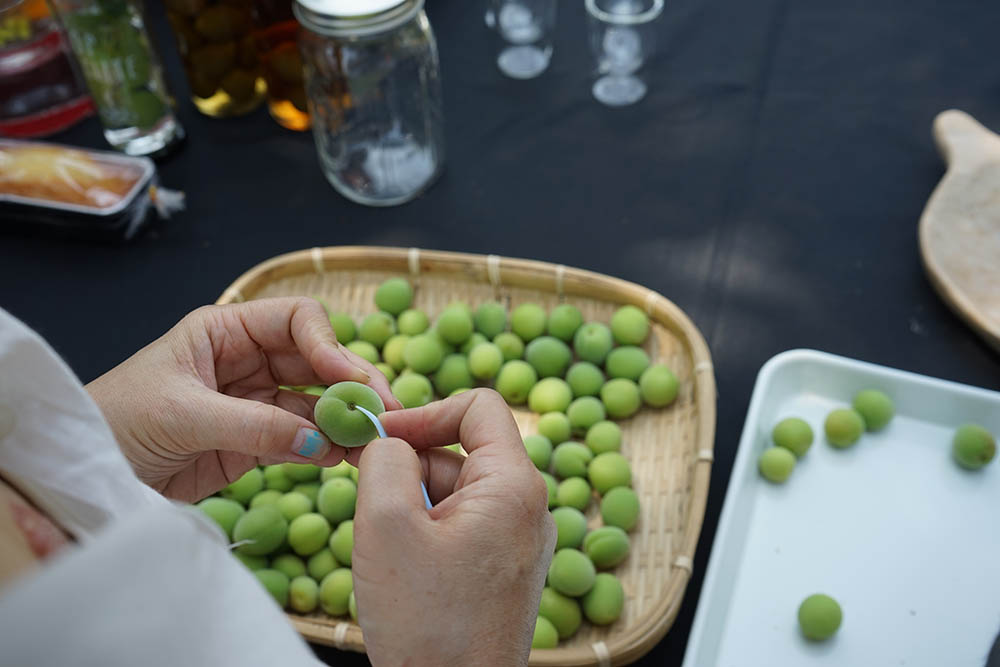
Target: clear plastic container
374,88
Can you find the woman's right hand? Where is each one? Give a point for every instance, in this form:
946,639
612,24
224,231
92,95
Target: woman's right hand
459,584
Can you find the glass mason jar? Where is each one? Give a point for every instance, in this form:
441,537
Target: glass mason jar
216,42
123,73
277,32
374,89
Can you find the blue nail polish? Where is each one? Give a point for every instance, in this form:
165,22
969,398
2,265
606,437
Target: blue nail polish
312,445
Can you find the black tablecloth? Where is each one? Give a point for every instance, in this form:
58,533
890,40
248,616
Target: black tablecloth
770,184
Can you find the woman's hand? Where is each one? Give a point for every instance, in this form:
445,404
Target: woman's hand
200,406
459,584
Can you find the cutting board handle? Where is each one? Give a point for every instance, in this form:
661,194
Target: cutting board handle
962,140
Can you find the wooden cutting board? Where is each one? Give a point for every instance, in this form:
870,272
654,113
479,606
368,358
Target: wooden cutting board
960,226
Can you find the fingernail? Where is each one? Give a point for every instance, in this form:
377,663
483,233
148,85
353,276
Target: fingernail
310,444
358,374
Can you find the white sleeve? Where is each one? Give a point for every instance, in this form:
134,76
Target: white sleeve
55,446
157,589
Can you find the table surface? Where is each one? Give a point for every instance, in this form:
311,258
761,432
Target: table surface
770,184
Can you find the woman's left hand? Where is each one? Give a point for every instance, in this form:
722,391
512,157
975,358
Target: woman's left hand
200,406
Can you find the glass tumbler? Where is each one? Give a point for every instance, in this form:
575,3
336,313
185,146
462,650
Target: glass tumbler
374,90
622,36
525,28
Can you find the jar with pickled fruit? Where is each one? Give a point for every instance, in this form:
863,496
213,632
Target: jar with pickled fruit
218,48
278,51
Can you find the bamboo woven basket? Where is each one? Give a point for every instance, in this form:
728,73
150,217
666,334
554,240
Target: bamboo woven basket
670,449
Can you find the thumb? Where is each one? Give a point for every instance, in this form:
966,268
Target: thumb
262,430
389,476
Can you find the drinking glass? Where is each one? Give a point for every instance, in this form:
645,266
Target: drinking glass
622,36
525,28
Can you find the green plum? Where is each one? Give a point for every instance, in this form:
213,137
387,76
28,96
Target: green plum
571,572
412,322
342,542
352,607
335,591
365,350
490,319
222,511
549,395
336,417
555,426
819,617
620,397
570,459
584,412
303,594
606,546
289,564
453,374
246,487
308,533
564,320
423,354
585,379
342,469
528,321
455,325
275,583
413,390
549,356
510,345
321,564
629,325
603,603
571,526
875,407
552,486
265,497
776,464
620,507
394,296
515,380
293,504
843,427
794,434
626,362
608,471
343,327
573,492
485,361
560,610
275,478
377,328
658,386
546,635
301,472
309,489
337,499
472,341
392,353
264,529
386,370
251,562
592,342
604,436
973,446
539,450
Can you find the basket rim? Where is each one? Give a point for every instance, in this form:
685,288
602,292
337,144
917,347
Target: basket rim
642,636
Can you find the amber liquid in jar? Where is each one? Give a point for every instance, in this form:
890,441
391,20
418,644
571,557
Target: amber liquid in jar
217,46
279,57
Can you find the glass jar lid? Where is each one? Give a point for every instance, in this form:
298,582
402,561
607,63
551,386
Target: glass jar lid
346,9
354,18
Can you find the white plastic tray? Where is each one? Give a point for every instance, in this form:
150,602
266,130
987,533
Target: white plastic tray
904,539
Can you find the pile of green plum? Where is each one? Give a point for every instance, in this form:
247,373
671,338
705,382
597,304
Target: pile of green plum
293,526
578,376
871,410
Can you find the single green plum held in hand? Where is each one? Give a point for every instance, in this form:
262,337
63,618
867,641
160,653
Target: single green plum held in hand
875,407
794,434
336,417
571,572
820,617
843,427
776,464
973,446
394,296
603,603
